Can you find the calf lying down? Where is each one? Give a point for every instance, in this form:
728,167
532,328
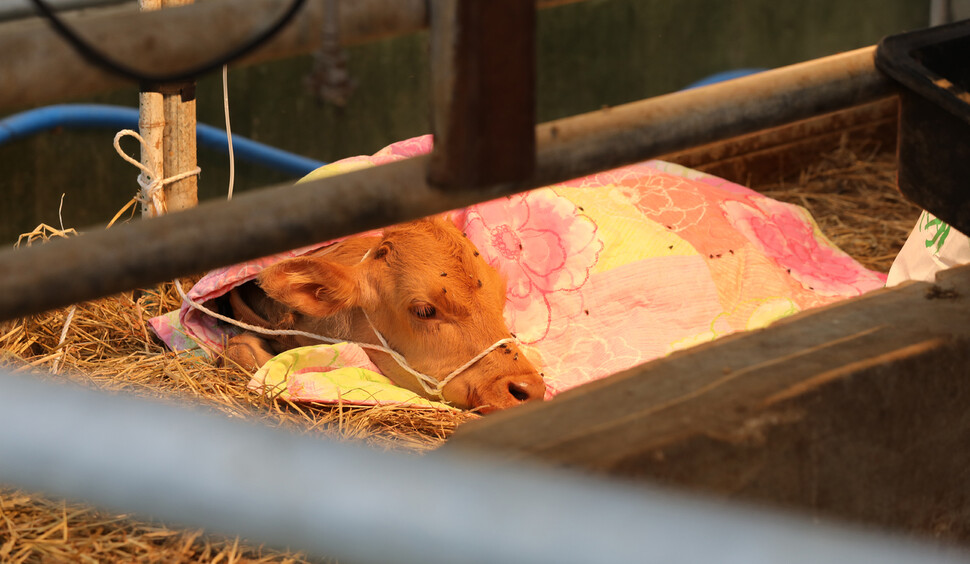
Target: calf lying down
603,273
421,290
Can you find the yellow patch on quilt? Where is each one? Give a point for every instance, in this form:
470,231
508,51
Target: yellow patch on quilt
627,235
333,169
770,311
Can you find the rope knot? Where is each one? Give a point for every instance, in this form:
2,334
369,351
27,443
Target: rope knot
150,181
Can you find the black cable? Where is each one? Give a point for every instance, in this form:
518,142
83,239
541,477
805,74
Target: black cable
98,58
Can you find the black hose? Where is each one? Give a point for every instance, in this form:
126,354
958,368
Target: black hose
98,58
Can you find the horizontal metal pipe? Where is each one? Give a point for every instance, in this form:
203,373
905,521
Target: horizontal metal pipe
271,220
253,224
16,9
577,145
359,505
39,67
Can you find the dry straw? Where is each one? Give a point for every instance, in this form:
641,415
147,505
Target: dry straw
852,194
108,345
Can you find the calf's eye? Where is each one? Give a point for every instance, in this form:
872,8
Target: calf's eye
423,310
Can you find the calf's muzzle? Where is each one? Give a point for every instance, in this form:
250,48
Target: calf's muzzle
507,391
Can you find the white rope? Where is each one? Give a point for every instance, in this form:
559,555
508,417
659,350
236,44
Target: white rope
151,190
501,342
225,107
430,385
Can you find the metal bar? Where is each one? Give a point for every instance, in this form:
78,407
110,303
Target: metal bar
271,220
359,505
578,145
17,9
178,39
216,232
484,77
941,12
38,67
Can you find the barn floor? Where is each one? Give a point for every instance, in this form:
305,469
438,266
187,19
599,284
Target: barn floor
850,191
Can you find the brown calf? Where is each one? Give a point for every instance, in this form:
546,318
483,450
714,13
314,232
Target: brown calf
422,286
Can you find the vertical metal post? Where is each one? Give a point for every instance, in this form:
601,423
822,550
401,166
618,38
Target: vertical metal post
941,12
483,73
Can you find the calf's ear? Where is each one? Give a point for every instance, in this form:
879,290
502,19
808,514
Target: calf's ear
311,285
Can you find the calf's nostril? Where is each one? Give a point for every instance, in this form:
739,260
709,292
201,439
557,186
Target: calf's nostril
519,391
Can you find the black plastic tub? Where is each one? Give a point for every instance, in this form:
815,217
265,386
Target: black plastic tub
933,67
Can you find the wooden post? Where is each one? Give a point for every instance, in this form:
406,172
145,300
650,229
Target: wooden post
180,153
151,123
483,73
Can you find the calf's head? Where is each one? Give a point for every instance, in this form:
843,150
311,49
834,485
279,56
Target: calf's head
435,300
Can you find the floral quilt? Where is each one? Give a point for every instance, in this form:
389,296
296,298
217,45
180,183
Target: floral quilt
604,272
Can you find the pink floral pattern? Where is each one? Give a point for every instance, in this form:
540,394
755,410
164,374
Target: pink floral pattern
590,357
668,200
542,244
402,149
789,238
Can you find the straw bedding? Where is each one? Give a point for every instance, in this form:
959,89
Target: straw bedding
851,192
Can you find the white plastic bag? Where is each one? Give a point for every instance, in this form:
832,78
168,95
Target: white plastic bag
932,246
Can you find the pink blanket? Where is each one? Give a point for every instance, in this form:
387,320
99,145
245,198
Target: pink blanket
611,270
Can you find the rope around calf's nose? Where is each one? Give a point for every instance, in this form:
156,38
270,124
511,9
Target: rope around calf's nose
429,384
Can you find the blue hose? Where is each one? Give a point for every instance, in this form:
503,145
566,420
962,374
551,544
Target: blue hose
119,117
722,76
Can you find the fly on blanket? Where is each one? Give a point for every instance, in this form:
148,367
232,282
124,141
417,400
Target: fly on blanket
602,273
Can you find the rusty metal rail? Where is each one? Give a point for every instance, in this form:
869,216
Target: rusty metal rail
39,67
275,219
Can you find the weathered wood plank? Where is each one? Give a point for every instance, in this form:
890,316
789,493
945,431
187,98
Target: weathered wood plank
767,156
860,410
